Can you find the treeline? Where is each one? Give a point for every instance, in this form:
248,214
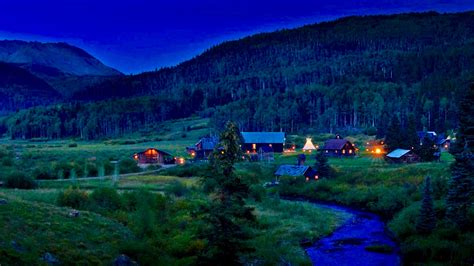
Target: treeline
93,120
353,73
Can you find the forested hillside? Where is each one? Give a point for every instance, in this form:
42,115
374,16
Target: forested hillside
352,73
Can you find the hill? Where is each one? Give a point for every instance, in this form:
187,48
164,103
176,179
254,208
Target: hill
64,67
350,74
20,89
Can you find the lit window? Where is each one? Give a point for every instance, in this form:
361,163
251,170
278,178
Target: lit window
350,151
254,146
343,151
270,145
327,151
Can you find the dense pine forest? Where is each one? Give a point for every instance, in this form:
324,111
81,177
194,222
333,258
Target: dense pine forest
350,74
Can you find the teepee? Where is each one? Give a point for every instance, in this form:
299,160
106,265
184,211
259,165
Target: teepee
308,146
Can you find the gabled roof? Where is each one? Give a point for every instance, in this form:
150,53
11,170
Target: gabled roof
292,170
208,143
397,153
155,150
335,144
263,137
430,134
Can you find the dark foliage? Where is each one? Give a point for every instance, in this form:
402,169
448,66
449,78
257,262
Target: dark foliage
20,180
427,219
322,166
461,188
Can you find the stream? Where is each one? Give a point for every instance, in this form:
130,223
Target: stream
346,245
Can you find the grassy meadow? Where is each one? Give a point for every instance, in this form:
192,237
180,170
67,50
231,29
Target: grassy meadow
159,213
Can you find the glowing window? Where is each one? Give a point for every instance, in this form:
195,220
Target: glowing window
343,151
350,151
254,146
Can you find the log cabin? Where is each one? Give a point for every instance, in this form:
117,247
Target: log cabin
402,156
153,156
203,148
297,171
339,148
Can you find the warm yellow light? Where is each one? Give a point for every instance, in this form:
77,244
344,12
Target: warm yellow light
350,151
316,177
254,146
446,146
378,151
193,154
307,178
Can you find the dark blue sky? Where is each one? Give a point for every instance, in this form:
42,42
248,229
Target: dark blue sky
139,35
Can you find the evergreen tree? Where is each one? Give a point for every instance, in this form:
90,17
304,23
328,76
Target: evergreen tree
394,138
427,218
322,167
411,137
227,216
460,194
427,150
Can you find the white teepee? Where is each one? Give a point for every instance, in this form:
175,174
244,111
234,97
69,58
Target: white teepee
308,146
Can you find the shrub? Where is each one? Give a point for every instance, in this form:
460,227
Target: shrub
74,198
20,180
106,199
128,166
7,161
380,248
72,145
43,173
177,188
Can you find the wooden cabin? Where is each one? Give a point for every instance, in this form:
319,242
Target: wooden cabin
402,156
254,141
153,156
297,171
444,144
203,148
339,148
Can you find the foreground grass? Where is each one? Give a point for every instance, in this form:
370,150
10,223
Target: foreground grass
30,229
284,225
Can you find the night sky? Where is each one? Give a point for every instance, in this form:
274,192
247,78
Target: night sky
140,35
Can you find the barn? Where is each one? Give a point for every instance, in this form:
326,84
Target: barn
203,148
254,141
339,148
297,171
153,156
402,156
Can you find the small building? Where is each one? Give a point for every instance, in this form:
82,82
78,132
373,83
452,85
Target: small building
297,171
153,156
339,148
402,156
203,148
253,141
427,134
444,144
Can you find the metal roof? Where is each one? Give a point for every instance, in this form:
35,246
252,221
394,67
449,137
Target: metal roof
263,137
397,153
292,170
208,143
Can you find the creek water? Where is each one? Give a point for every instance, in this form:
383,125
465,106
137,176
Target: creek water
347,244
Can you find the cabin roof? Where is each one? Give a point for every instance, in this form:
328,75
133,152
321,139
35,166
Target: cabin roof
263,137
159,151
208,143
335,144
292,170
398,153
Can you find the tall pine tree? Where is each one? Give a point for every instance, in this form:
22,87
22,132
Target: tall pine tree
227,217
322,166
460,194
427,218
394,138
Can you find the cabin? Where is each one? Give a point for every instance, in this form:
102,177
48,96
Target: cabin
444,144
297,171
153,156
203,148
339,148
427,134
402,156
254,141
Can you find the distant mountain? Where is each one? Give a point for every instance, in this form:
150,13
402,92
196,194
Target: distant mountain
66,68
20,89
353,74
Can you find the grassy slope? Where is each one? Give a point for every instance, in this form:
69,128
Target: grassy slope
38,228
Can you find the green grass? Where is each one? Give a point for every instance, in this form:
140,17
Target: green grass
284,225
38,228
